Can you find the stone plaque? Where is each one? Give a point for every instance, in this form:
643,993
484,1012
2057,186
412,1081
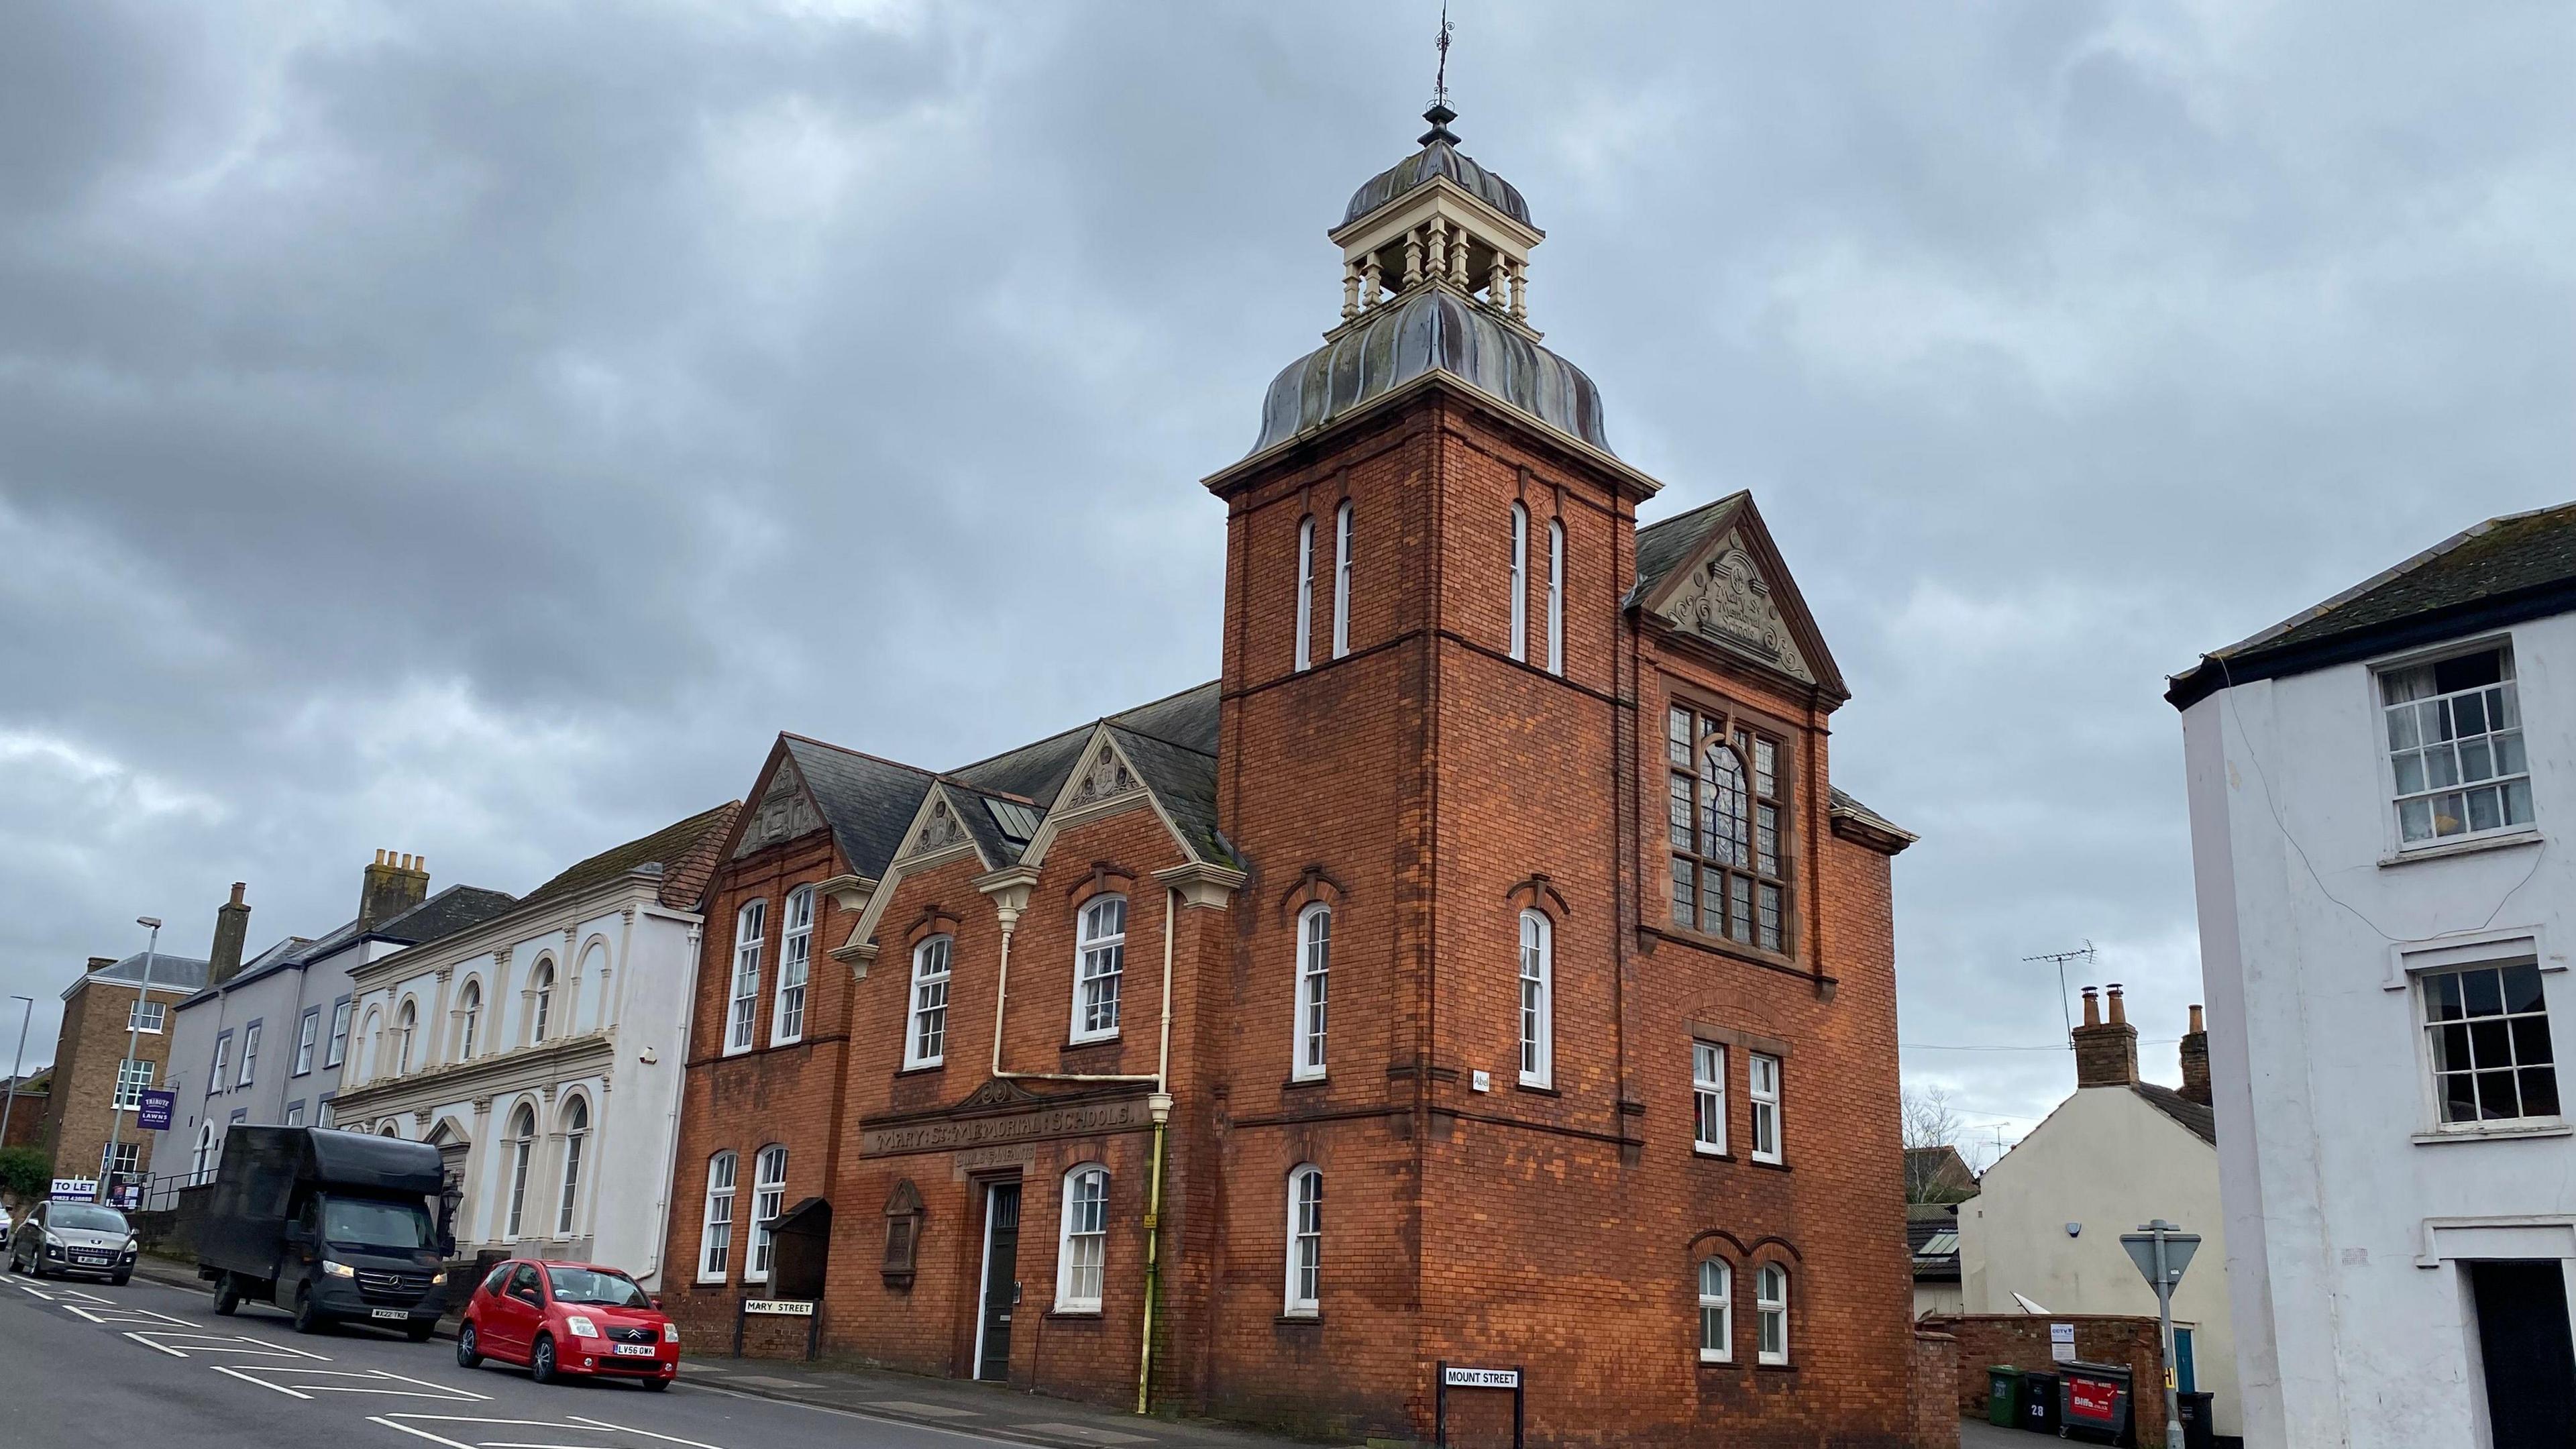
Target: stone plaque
1074,1119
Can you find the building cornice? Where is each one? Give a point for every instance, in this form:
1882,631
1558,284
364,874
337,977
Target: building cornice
543,1063
636,890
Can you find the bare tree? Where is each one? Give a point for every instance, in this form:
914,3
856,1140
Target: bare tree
1931,1124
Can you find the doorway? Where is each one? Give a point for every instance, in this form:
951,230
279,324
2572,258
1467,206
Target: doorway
2527,1351
1001,1286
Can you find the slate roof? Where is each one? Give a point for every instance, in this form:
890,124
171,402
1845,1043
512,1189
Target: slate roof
1171,741
2520,566
1932,1240
682,849
1665,543
179,973
457,908
867,802
2202,1122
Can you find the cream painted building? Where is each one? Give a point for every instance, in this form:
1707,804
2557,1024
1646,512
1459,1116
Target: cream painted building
541,1053
2046,1222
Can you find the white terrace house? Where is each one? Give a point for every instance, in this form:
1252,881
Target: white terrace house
541,1053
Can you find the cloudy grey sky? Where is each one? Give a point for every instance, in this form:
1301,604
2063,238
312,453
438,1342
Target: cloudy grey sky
476,429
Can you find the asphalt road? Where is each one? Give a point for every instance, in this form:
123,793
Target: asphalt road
148,1365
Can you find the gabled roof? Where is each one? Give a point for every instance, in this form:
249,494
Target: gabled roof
1744,605
178,973
457,908
683,851
2505,570
1665,542
1171,741
867,802
2194,1116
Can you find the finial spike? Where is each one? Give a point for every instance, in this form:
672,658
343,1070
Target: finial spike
1440,115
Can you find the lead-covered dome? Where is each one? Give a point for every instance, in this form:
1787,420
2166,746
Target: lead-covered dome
1439,156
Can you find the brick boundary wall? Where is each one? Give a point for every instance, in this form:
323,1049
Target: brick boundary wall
2021,1340
1936,1407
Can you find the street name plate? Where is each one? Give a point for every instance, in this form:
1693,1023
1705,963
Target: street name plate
782,1307
1476,1378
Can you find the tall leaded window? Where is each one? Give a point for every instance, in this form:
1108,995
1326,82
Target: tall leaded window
1538,999
1305,592
1100,960
1728,829
925,1042
2492,1060
743,1001
1305,1240
1771,1313
1556,596
1342,579
1314,974
1708,1098
2455,746
1520,583
576,1133
768,1201
715,1236
1082,1255
795,965
1716,1311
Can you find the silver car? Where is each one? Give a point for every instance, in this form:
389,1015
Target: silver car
74,1237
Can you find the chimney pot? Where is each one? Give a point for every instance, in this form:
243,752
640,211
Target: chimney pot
2195,1060
101,963
2106,1053
232,928
2196,1024
2119,1010
2092,1008
237,892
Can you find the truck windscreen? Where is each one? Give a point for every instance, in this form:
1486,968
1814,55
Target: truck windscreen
371,1223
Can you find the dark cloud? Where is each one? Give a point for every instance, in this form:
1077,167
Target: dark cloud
475,429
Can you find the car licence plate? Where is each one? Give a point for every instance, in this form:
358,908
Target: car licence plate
393,1313
633,1350
89,1257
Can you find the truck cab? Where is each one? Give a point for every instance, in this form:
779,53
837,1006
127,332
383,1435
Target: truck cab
331,1226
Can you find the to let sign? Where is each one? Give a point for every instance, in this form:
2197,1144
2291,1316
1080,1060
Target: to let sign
153,1115
1482,1378
780,1307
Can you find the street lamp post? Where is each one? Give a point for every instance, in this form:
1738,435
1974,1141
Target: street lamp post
133,1043
17,1065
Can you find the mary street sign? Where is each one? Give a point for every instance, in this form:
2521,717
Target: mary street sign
782,1307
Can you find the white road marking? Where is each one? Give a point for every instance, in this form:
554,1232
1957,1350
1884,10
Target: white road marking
113,1316
647,1433
410,1424
32,1288
198,1343
375,1381
916,1425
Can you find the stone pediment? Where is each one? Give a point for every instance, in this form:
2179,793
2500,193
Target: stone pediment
1727,601
1105,778
784,813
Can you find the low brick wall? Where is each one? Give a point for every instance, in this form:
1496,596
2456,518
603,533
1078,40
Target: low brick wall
2021,1340
1936,1376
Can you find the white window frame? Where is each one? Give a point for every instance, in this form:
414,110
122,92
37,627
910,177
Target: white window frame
250,1054
1769,1311
134,1073
1313,1039
1764,1096
326,1113
715,1234
124,1151
1305,593
223,1061
2418,983
1099,966
795,968
1067,1297
338,1050
406,1030
934,964
523,1147
1708,1098
295,1114
201,1163
768,1203
147,1016
1537,1001
742,1009
1342,579
469,1019
1520,584
541,999
1722,1303
2509,691
1556,596
1304,1290
576,1127
307,1032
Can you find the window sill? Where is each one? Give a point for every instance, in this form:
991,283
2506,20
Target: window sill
1716,1363
1775,1368
2500,1133
1536,1089
1074,1315
1711,1154
1299,1320
1081,1043
921,1068
2471,846
1294,1083
1772,1163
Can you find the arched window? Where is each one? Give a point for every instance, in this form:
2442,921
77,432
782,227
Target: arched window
201,1167
576,1129
715,1237
373,1038
1556,596
1342,580
1305,1240
1716,1311
406,1026
1520,583
795,964
469,1019
541,1000
1100,961
1305,592
925,1041
1082,1252
1728,823
523,1145
1314,972
748,925
1771,1314
1538,999
768,1200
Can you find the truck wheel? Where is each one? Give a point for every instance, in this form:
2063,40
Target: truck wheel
227,1295
541,1361
308,1319
469,1347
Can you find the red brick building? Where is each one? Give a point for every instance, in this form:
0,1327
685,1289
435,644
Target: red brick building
1482,970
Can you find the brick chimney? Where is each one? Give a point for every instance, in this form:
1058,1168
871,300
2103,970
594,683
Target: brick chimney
2106,1052
101,963
232,925
394,884
2195,1060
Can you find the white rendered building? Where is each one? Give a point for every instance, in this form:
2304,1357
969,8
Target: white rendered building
2383,803
541,1053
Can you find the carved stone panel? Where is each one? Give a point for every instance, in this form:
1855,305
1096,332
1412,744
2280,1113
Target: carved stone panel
1107,775
941,830
1728,602
785,812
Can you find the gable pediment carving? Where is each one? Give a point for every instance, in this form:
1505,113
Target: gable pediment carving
1728,602
941,830
1105,778
784,813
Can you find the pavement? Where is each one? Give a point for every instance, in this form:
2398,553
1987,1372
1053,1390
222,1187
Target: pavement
1978,1434
766,1403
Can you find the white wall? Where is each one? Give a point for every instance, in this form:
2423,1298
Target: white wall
2320,1067
2108,1160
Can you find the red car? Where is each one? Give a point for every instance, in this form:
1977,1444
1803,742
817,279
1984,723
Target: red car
568,1318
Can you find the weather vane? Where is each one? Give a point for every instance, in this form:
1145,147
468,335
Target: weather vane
1440,82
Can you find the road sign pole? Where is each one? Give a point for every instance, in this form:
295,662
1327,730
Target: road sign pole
2164,1327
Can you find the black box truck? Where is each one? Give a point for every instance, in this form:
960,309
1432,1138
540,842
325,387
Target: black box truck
332,1226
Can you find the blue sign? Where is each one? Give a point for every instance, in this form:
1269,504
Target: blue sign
154,1114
